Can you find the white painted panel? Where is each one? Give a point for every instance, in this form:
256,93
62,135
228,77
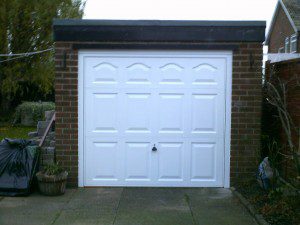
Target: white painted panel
208,72
138,113
102,158
171,73
205,73
138,73
138,161
203,161
103,118
204,113
170,113
170,162
101,72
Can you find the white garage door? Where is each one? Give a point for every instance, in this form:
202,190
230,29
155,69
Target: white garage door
152,118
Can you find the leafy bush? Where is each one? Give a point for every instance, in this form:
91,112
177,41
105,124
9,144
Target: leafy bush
29,113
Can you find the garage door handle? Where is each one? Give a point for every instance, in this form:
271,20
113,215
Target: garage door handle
154,149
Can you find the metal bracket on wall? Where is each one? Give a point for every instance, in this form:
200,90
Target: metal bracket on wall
251,60
64,61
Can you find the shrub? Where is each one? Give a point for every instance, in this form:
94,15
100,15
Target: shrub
52,169
279,212
29,113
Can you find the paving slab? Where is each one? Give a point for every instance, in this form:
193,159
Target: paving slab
95,198
34,209
214,206
148,206
91,206
84,217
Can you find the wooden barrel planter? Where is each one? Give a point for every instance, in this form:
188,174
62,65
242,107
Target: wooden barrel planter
52,185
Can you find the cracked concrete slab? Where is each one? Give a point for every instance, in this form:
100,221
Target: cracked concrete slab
132,206
34,209
91,206
212,206
153,206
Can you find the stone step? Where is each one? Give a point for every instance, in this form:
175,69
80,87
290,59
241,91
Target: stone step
35,139
32,134
41,127
49,114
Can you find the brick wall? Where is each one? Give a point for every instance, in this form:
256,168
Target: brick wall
246,109
66,105
282,28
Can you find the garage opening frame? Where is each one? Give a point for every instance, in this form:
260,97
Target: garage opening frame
228,106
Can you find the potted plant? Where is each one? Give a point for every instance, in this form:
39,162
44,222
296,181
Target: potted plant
52,180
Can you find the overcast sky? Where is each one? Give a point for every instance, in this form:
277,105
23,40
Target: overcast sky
181,9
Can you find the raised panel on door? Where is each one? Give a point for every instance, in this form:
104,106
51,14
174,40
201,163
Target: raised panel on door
170,115
137,73
171,73
138,161
204,73
207,73
203,161
100,72
102,162
170,161
137,113
102,113
204,113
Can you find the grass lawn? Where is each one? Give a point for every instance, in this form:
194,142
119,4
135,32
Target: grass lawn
8,131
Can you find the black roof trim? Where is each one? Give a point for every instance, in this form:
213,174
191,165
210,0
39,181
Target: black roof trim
155,30
149,45
173,23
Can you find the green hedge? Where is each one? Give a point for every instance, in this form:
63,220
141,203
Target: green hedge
29,113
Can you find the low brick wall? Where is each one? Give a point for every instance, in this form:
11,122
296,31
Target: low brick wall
246,108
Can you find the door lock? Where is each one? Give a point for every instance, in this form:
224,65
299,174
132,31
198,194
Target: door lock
154,149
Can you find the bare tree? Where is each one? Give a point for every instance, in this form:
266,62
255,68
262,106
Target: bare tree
277,95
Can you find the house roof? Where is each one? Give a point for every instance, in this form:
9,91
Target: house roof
293,8
158,30
292,11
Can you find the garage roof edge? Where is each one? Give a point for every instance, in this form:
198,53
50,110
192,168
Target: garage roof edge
158,30
175,23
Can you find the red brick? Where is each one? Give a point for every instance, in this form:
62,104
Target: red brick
246,109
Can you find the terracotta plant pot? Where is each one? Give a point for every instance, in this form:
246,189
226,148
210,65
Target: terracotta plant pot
52,185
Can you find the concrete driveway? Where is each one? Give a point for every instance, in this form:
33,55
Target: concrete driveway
132,206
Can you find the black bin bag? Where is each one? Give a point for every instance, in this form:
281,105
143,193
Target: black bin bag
18,165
